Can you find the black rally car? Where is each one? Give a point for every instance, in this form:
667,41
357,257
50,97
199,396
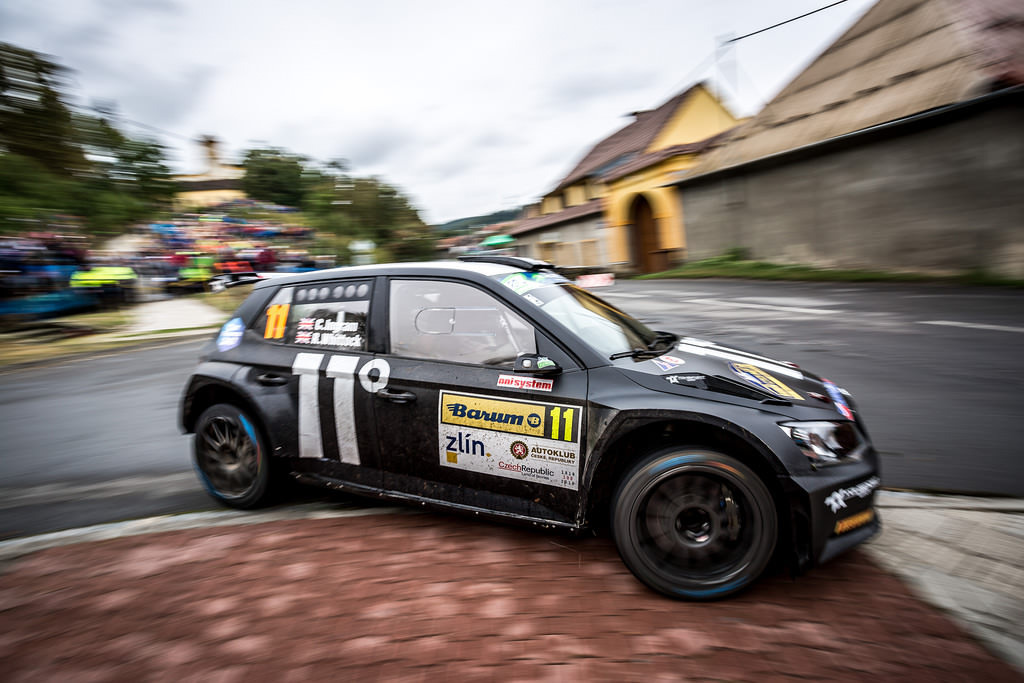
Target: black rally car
495,385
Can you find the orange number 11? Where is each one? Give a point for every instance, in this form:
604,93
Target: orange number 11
277,316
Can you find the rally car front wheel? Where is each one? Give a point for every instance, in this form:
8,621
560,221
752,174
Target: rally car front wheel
230,457
693,523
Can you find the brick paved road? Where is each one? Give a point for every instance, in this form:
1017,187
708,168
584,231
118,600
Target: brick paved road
430,597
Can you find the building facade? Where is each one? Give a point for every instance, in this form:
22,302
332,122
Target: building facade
615,209
217,184
900,148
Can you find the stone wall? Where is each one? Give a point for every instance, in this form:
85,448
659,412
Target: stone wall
944,198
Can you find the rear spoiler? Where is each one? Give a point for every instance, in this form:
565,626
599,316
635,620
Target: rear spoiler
218,283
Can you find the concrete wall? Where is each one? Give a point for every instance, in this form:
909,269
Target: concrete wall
942,199
576,243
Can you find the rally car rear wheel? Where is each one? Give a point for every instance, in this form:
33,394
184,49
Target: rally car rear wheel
230,457
693,523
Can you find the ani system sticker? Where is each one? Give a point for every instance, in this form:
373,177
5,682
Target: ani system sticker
525,440
520,382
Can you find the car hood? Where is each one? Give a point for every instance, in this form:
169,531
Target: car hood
701,368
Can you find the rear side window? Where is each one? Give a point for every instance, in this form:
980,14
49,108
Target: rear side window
323,315
455,322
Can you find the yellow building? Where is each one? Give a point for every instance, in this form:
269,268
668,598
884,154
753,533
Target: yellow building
218,184
614,208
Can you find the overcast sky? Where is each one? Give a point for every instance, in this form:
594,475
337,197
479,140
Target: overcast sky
468,106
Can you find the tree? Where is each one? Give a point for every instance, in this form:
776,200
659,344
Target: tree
34,120
275,175
132,165
54,161
366,208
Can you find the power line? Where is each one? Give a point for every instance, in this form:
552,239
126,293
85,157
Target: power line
783,23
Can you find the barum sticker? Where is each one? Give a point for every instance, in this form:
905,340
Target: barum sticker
535,442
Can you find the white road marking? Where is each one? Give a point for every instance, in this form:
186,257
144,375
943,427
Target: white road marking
624,295
159,485
973,326
803,301
766,307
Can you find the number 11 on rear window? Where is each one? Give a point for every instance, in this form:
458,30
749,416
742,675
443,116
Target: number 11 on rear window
277,317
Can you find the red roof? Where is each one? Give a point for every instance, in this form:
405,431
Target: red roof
627,142
594,206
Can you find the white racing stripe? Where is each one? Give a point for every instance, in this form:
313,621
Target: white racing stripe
765,307
307,367
972,326
343,370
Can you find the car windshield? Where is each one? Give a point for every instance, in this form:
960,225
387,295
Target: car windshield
597,323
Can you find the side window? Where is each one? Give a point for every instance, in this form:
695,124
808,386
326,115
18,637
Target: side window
323,315
455,322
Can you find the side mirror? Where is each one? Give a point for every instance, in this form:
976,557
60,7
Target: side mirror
532,364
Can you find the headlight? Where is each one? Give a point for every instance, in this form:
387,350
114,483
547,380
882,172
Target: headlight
827,443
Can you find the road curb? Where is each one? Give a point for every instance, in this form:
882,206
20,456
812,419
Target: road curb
18,547
119,345
948,501
12,548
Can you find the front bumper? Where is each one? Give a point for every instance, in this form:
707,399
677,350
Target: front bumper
834,510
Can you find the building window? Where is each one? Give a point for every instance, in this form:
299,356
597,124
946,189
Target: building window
588,249
546,251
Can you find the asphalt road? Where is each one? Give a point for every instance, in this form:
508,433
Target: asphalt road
937,370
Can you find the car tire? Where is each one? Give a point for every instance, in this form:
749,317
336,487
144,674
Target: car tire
694,524
230,456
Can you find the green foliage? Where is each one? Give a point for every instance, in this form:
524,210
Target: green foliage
730,265
464,225
274,175
34,121
53,161
366,208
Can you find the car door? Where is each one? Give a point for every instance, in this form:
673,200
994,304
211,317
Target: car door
313,367
454,422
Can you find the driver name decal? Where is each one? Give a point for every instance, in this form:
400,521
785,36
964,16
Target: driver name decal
525,440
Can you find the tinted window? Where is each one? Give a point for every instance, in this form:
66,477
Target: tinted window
324,315
456,322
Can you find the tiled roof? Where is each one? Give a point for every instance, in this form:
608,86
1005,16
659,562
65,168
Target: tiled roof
901,58
644,160
594,206
633,139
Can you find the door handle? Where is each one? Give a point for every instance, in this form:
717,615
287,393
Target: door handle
272,380
396,396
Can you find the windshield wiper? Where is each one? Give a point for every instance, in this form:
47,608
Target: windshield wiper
652,347
634,353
